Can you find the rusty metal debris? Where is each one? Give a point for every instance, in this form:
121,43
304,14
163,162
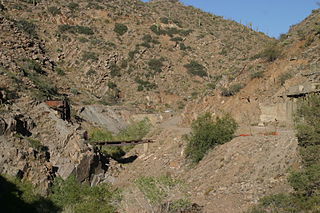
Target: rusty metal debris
63,108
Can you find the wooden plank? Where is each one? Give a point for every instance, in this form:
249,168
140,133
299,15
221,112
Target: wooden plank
122,143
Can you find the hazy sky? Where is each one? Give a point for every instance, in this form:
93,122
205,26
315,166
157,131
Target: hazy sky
272,17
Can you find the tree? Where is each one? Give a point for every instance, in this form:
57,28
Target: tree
207,133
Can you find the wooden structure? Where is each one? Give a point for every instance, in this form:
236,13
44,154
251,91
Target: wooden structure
62,107
122,143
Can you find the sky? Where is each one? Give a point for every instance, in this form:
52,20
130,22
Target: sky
273,17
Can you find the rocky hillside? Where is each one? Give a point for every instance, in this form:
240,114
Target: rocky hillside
167,56
115,61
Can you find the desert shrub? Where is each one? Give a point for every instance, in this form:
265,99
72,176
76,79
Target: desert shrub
176,39
207,133
164,20
157,30
147,38
145,85
232,90
73,6
185,32
54,11
115,70
156,64
270,53
145,44
74,91
60,71
171,31
45,87
120,29
308,121
35,144
27,27
135,131
157,189
75,197
33,65
132,53
194,68
91,72
258,74
84,30
112,85
284,77
183,47
93,5
86,56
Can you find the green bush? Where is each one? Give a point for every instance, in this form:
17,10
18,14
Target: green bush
27,27
73,6
194,68
270,53
91,72
72,196
234,89
32,65
120,29
35,144
176,39
183,47
308,122
115,70
207,133
46,89
145,85
157,30
164,20
156,64
156,189
284,77
54,11
135,131
258,74
86,56
60,71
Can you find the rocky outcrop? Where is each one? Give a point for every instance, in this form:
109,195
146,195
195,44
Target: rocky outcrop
18,123
103,116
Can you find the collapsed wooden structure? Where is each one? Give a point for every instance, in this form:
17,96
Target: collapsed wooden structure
62,107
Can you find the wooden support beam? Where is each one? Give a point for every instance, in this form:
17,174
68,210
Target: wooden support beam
122,143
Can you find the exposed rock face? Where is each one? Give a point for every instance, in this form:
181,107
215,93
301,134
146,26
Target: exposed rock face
39,157
103,116
18,123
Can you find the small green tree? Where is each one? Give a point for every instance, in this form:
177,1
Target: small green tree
207,133
120,29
